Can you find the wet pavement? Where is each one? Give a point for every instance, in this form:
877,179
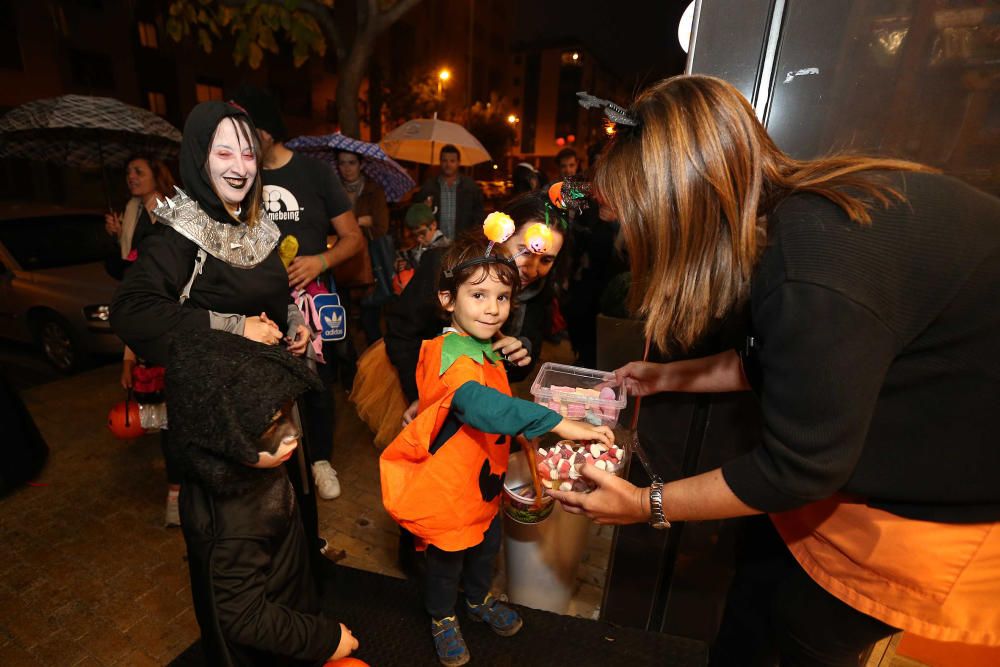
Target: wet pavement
90,575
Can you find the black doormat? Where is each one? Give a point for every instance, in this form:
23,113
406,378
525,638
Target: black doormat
387,617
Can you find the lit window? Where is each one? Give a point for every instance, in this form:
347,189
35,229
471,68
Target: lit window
157,103
206,92
147,35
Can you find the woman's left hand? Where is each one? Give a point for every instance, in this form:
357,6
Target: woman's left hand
300,342
615,501
303,270
513,350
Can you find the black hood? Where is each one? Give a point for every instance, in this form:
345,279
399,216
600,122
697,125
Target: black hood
199,128
223,391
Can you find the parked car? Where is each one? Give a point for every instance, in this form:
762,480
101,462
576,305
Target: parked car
54,289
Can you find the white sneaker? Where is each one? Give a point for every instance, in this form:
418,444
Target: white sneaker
172,517
327,484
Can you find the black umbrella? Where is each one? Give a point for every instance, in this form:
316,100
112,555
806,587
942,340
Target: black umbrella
85,131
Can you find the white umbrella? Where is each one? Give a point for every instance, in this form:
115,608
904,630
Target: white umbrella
421,139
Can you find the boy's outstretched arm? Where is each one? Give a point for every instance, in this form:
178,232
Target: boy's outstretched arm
488,410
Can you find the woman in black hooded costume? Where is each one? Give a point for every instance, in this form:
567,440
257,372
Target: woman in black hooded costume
250,571
215,265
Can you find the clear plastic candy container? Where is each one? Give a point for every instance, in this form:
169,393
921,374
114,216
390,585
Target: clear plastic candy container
559,465
579,393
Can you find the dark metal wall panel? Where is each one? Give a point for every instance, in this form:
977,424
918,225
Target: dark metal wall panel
729,41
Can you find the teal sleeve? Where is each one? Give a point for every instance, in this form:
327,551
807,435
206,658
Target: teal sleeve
490,411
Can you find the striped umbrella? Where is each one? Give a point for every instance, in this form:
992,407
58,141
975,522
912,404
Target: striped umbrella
374,162
85,131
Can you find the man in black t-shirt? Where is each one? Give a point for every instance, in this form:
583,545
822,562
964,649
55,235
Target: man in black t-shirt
304,197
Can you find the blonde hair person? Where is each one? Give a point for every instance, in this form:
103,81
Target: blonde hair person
871,286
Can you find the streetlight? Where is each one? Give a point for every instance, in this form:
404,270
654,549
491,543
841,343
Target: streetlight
512,119
443,75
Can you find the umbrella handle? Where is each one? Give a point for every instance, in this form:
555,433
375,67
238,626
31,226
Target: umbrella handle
104,174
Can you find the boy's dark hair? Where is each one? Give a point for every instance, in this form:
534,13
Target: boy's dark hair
450,148
466,257
565,153
263,109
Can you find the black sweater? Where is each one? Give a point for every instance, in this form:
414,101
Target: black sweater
146,309
253,590
877,351
415,316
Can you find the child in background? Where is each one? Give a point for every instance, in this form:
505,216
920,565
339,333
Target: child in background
254,595
421,225
442,476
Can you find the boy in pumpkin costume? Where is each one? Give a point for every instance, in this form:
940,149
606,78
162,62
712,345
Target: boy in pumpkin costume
443,475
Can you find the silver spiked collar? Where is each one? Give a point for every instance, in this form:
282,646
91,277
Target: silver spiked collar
236,245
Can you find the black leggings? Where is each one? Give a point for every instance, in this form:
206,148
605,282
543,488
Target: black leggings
777,615
472,566
317,410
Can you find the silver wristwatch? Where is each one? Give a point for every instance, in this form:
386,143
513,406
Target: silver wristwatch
656,518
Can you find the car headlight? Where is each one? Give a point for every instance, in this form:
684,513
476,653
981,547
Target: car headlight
100,313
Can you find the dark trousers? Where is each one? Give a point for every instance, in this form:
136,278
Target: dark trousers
342,359
371,323
174,472
317,410
300,475
473,567
777,615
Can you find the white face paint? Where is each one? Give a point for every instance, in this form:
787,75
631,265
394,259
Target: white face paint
232,165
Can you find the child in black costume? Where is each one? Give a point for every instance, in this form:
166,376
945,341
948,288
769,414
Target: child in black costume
231,401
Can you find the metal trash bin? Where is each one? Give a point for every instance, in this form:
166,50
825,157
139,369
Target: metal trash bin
542,559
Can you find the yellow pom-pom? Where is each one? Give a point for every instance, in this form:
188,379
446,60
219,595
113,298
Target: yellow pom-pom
498,227
538,238
288,249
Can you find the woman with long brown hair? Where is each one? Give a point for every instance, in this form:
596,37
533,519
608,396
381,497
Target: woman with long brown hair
871,285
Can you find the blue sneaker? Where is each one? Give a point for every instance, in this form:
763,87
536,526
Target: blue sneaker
448,641
502,619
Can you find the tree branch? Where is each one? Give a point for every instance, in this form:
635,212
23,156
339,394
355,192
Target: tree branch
322,14
393,14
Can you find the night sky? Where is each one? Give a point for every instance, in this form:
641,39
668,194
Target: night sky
636,39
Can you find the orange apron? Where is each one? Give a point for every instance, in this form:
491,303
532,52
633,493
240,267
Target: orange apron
940,581
438,497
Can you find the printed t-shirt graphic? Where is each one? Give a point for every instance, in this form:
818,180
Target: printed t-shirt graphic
301,198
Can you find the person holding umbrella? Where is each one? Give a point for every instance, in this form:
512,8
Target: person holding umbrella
372,213
148,179
455,198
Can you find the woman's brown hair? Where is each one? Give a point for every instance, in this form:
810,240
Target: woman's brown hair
162,178
693,184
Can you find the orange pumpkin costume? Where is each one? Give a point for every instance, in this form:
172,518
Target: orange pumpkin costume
442,476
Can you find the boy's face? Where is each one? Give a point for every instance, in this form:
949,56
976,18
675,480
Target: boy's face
425,233
479,308
278,442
